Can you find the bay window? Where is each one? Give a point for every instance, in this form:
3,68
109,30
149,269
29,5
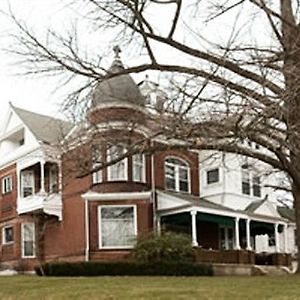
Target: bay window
117,171
138,167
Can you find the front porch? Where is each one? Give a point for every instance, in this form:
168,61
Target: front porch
223,235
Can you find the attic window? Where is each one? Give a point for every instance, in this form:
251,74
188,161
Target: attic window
21,142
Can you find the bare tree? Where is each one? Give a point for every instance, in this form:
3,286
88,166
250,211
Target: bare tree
242,88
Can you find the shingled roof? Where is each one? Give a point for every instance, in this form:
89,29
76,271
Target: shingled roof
46,129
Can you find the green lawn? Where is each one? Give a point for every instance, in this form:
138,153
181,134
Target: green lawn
32,287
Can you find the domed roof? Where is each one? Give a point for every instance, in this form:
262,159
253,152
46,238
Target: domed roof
117,89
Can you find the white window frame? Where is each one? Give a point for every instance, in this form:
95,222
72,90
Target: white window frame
4,241
99,226
176,173
33,241
206,176
139,164
22,182
7,184
110,168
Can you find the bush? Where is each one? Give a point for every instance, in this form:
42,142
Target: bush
167,247
124,269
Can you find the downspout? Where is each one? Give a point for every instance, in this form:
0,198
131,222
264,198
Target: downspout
87,234
153,196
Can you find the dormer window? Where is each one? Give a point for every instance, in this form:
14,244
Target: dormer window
177,175
117,171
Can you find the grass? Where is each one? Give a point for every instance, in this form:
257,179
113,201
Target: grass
204,288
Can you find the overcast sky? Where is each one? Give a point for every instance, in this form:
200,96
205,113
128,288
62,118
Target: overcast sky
27,92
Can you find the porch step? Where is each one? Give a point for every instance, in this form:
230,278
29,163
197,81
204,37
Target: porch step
271,270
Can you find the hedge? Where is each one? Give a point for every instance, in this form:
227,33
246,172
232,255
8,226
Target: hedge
124,269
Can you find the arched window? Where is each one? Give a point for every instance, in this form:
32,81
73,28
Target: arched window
177,175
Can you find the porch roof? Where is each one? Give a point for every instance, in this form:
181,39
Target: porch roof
191,202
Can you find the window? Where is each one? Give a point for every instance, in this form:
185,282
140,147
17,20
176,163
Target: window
27,183
97,160
251,182
117,226
117,171
245,180
138,167
7,235
226,238
6,184
212,176
177,175
256,186
28,240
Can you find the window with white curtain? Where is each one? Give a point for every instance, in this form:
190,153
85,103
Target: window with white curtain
138,167
117,171
7,235
117,226
6,184
28,240
177,175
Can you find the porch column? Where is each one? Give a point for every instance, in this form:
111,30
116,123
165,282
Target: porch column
276,238
237,234
158,225
194,228
285,228
248,235
42,163
59,177
19,185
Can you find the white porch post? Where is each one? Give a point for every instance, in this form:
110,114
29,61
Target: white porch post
42,163
285,228
194,228
158,225
237,234
248,235
59,177
19,184
276,237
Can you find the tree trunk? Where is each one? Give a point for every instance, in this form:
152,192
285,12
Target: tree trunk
296,194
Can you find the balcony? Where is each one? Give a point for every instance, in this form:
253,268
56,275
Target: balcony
50,204
38,190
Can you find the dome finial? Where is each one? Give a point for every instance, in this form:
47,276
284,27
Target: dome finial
117,51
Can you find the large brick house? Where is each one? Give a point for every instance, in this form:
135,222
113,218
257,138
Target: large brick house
56,204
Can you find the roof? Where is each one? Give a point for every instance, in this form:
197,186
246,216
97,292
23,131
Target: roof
200,202
119,88
287,213
253,206
46,129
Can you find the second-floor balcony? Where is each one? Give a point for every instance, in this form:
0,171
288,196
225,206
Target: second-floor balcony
38,189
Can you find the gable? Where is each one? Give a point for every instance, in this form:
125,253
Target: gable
12,122
267,209
165,201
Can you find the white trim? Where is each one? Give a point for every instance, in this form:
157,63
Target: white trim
87,231
99,226
4,242
93,196
22,240
119,104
